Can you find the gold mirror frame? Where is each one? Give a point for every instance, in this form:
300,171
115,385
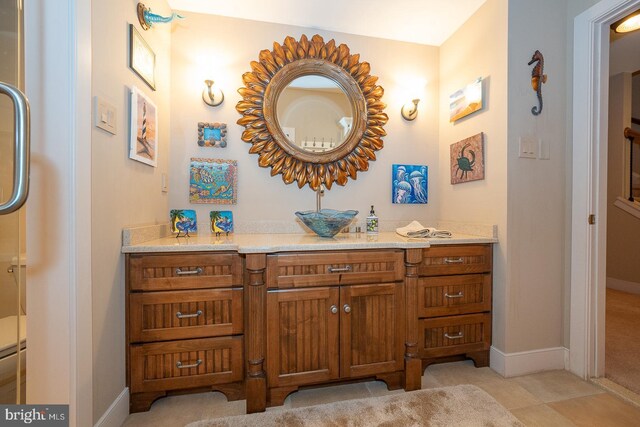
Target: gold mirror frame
268,78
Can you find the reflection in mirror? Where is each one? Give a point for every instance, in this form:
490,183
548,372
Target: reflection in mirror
314,113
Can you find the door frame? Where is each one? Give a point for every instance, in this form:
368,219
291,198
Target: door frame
58,85
589,191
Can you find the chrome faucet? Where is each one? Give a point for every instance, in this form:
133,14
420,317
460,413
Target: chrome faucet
319,194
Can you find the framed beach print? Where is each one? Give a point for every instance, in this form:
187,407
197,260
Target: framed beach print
143,144
142,60
466,100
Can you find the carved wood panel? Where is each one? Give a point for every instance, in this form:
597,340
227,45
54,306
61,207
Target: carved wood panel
158,316
182,271
449,295
302,336
185,364
372,329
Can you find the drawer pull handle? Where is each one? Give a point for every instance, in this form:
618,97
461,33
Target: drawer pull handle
454,337
179,364
453,260
334,309
458,295
339,269
179,272
179,315
347,308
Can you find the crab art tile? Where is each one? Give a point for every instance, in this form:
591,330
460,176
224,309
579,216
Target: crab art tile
467,159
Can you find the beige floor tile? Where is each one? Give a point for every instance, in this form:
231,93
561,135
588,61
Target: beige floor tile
552,386
541,416
379,388
601,410
429,381
509,394
316,396
456,373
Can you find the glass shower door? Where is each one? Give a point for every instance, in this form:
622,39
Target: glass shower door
14,175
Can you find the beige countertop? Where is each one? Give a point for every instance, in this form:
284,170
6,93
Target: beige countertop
269,243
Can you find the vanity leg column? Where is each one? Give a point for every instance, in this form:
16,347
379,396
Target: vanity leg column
412,362
255,332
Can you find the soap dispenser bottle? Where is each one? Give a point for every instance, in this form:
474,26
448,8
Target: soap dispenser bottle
372,222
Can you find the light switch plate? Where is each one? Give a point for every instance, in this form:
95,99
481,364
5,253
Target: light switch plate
165,183
544,152
528,148
104,115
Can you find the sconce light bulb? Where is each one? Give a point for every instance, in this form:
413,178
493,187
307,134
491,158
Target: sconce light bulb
409,110
212,95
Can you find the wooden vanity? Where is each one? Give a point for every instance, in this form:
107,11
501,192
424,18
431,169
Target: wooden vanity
258,321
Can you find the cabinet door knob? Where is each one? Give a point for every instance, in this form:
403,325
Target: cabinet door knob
334,309
346,308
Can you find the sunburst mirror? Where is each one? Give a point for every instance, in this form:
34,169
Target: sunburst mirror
312,112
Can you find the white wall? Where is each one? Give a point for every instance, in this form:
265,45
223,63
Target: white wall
224,54
536,191
623,54
479,49
124,192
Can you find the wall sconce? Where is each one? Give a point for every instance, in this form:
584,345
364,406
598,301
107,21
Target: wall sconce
409,110
212,94
148,18
628,23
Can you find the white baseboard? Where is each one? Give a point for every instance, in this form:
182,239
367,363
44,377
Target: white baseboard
623,285
115,415
528,362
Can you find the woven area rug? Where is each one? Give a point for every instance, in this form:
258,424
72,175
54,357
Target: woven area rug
462,405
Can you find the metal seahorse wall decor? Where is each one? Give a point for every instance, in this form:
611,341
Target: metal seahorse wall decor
538,78
148,18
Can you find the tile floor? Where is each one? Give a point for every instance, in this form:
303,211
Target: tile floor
555,398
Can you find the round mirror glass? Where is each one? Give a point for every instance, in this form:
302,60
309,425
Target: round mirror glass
314,113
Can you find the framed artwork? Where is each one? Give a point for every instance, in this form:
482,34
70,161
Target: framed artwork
142,60
409,184
221,222
212,134
183,221
466,100
467,159
213,181
143,144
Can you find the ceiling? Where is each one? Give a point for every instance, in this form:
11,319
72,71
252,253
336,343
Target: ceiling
429,22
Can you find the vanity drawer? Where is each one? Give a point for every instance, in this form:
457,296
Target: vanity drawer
455,259
161,316
334,268
186,364
163,272
450,295
446,336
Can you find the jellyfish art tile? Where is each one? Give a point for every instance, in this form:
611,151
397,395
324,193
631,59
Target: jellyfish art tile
410,184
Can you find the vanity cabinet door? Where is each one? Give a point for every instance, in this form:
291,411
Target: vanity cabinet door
302,336
371,329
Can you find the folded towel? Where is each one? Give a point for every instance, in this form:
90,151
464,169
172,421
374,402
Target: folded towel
417,230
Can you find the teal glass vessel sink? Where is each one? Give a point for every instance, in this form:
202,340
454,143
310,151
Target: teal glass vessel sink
326,222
